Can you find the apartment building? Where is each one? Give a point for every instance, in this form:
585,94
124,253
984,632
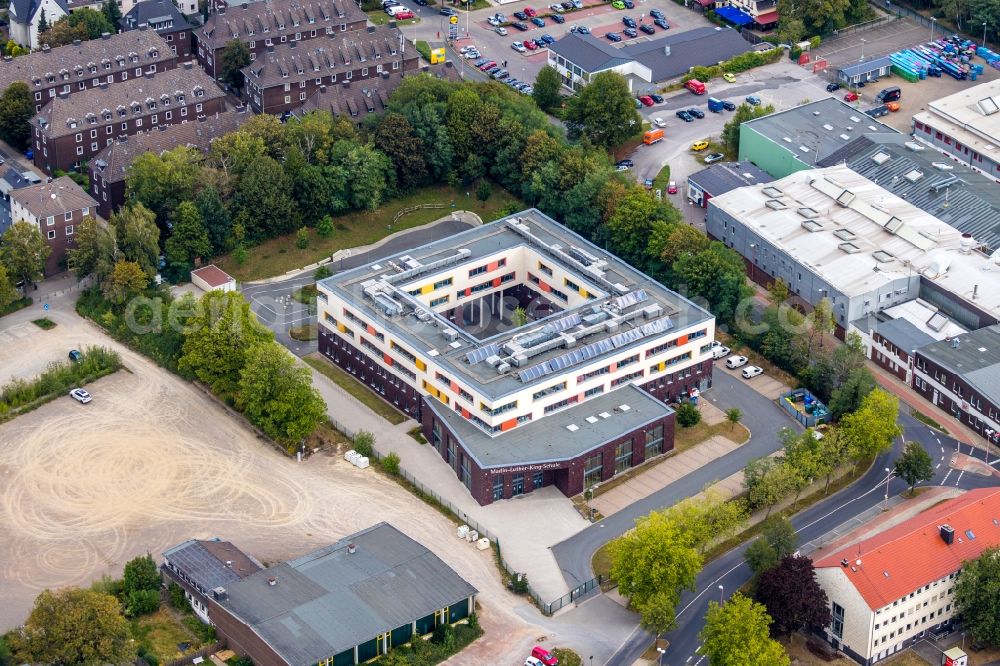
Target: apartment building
82,66
57,208
109,167
261,25
530,356
284,77
163,17
71,130
893,589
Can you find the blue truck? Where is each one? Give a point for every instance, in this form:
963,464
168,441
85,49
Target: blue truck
715,105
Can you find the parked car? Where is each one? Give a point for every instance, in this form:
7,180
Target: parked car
625,163
752,371
699,145
659,122
556,7
729,77
521,16
500,30
530,12
500,75
648,183
472,53
648,29
580,30
518,46
390,3
851,97
493,70
531,661
530,44
76,356
422,3
613,36
685,116
80,396
753,101
736,361
448,11
628,4
657,98
546,39
520,25
661,23
697,113
544,656
631,33
558,19
628,21
672,187
719,350
618,4
656,13
567,6
728,106
487,65
831,87
646,100
540,22
714,157
878,111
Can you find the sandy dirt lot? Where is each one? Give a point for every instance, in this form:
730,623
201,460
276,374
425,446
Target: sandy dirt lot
152,462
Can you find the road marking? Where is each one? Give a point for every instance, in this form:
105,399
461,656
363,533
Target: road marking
945,479
959,479
712,586
942,448
938,439
938,466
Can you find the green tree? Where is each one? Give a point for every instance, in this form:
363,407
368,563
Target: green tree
74,626
683,240
23,252
8,292
634,221
262,202
688,415
277,395
141,602
126,280
188,240
162,181
820,321
43,22
137,237
364,443
716,274
94,252
16,108
62,33
737,633
604,111
760,556
914,465
744,112
548,85
484,191
95,23
395,138
871,428
218,340
324,227
733,415
780,534
215,217
371,176
977,596
804,453
111,12
302,238
847,397
141,574
793,596
518,317
235,56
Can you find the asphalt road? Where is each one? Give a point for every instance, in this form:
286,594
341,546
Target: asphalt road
731,572
272,302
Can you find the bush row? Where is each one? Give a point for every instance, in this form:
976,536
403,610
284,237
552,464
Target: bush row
20,395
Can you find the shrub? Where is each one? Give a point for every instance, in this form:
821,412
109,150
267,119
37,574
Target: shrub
688,415
302,238
391,464
814,42
240,255
519,584
141,602
473,621
324,227
794,53
484,191
322,273
177,598
364,443
58,378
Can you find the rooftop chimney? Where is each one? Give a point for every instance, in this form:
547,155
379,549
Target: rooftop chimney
219,593
187,65
947,534
371,28
229,563
351,548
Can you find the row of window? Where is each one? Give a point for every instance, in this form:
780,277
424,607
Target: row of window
92,67
486,268
153,120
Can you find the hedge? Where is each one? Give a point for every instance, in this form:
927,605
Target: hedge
734,65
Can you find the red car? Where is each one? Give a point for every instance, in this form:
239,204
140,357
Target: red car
851,97
402,16
672,187
530,44
544,656
488,65
646,100
529,12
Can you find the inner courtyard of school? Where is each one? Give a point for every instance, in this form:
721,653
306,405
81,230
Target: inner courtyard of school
530,356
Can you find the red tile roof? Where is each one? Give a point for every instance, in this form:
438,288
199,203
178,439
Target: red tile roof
913,554
214,276
767,17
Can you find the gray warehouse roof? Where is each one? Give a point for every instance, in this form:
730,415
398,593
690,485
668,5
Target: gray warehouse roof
561,436
204,563
726,176
699,47
903,334
858,68
821,128
976,358
958,196
331,599
588,52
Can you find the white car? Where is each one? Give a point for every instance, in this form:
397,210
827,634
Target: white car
80,395
752,371
500,30
736,361
397,9
719,351
472,54
557,8
659,122
518,46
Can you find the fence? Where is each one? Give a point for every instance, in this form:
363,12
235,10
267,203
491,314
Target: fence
411,209
811,419
203,653
861,27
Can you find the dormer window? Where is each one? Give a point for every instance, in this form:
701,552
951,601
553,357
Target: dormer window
151,105
199,92
120,60
91,118
106,115
50,77
106,63
136,108
153,53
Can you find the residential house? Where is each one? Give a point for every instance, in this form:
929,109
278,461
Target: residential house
202,565
26,15
74,68
70,131
270,23
343,604
890,590
285,76
163,17
57,208
109,167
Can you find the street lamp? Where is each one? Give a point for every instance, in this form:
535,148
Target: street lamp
659,659
989,437
885,506
984,33
721,590
863,41
933,25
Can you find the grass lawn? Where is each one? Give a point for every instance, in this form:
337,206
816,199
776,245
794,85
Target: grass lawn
379,17
303,333
279,255
44,323
160,633
926,420
355,388
800,654
662,179
424,49
908,658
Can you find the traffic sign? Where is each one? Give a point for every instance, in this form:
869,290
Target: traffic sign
46,307
453,20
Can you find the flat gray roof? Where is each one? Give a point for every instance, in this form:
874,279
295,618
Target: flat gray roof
588,53
724,177
704,46
977,359
903,334
821,127
871,65
958,196
648,308
560,436
330,600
